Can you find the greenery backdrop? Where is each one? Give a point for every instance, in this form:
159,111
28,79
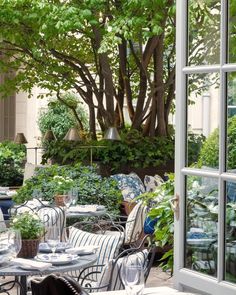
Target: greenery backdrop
92,188
12,158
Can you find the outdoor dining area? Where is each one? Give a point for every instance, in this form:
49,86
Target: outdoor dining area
85,246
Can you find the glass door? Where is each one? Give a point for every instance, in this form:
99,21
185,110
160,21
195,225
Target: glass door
205,168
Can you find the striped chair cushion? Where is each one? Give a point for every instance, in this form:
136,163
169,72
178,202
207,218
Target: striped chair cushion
109,246
53,216
135,223
116,283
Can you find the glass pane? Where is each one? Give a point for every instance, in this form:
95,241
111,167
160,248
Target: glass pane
230,230
201,224
232,31
203,121
203,32
231,124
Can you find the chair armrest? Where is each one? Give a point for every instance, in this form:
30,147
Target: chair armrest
82,277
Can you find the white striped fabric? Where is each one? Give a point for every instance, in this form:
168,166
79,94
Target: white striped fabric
116,283
52,216
109,246
135,223
2,221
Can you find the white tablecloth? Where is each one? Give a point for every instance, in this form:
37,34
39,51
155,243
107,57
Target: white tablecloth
149,291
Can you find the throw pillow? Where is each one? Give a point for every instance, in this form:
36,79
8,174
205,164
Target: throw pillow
151,182
135,223
130,186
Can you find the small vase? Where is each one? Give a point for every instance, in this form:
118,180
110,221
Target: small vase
59,200
29,248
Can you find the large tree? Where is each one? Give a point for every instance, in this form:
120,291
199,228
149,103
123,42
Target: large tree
109,51
112,52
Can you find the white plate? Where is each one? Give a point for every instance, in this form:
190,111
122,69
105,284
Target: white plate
57,259
44,247
83,250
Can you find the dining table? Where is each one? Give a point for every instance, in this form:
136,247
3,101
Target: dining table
11,269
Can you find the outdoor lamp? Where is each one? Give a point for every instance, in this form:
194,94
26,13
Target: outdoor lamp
20,138
49,136
112,134
72,135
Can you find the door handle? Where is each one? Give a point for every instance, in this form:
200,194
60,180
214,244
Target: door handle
174,202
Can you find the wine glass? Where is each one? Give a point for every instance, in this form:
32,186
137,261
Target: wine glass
53,238
132,275
74,195
14,242
67,200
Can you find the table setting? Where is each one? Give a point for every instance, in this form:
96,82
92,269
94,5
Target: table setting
21,244
48,257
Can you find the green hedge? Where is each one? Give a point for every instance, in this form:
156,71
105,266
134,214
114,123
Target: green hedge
92,188
12,157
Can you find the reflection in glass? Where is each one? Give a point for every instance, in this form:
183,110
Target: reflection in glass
201,224
203,121
230,231
204,32
231,31
231,123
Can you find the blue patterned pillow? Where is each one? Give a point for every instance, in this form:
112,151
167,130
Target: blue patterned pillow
130,185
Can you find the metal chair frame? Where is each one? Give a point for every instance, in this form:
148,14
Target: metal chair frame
146,243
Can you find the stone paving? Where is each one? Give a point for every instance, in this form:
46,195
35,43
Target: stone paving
158,278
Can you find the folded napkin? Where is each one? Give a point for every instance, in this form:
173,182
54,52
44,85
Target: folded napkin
83,208
82,250
31,264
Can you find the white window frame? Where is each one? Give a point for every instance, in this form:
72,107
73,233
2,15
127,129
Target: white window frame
185,279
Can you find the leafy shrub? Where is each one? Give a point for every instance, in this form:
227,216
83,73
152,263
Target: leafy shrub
133,150
59,118
209,154
12,157
160,208
195,143
92,188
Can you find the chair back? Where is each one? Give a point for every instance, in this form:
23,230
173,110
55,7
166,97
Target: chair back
56,284
49,215
135,224
145,253
110,278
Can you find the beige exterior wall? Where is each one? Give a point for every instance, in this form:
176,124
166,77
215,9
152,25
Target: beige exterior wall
27,113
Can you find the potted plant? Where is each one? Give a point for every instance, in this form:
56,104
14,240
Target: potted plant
62,186
31,229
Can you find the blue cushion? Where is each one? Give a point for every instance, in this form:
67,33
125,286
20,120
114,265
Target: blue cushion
149,225
130,185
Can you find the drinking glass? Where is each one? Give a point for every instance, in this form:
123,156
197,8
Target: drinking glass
74,195
53,238
67,200
132,275
14,242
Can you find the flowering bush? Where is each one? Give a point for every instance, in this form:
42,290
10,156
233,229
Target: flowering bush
62,184
29,224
